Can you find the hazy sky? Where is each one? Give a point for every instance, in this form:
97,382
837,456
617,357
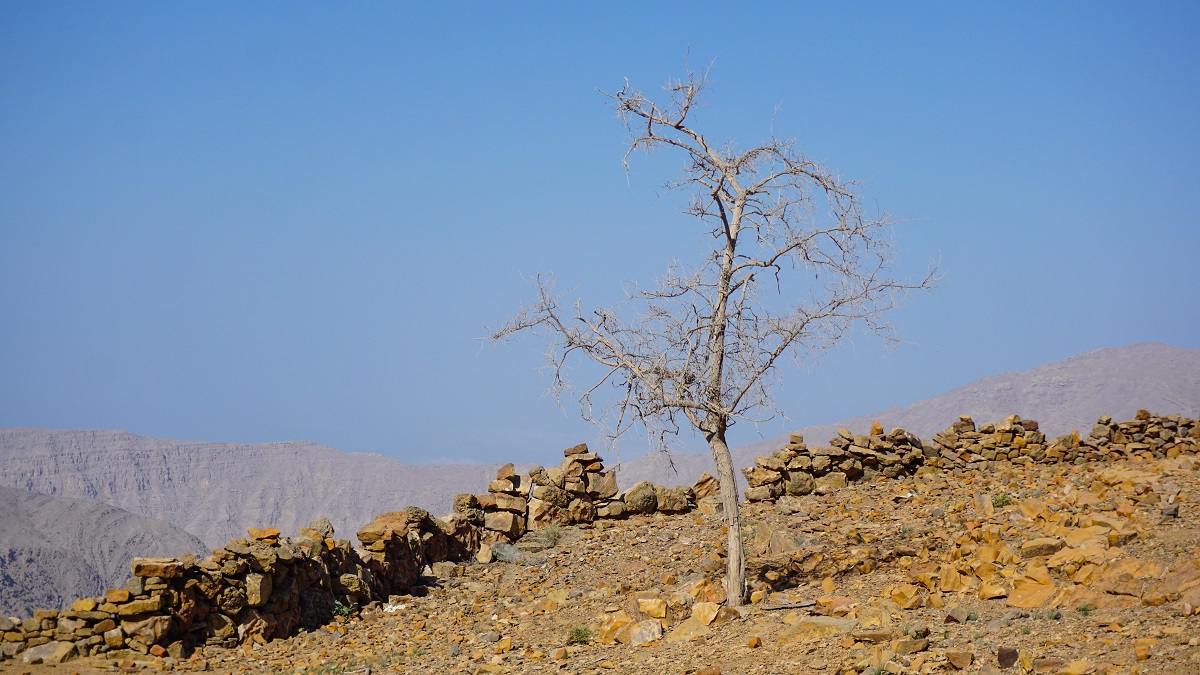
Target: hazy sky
273,221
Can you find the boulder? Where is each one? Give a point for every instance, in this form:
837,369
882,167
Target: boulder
672,500
798,483
510,503
164,568
706,485
543,514
504,522
640,498
51,652
601,485
551,494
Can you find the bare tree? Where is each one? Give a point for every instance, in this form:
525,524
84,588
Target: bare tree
794,266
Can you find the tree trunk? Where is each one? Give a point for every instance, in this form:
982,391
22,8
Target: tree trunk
735,568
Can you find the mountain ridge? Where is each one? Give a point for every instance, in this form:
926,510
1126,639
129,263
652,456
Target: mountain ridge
1062,395
55,549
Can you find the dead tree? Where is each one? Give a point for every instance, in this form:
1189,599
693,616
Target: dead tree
794,266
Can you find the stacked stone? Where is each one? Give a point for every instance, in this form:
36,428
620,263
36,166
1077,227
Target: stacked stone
261,587
505,506
401,543
962,446
1147,435
576,491
1020,442
646,498
798,469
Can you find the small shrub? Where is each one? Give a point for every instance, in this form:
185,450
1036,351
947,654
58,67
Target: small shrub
1001,500
1085,610
505,552
552,534
972,615
343,610
579,635
1026,630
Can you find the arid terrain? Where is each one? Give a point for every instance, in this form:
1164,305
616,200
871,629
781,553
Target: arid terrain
1079,568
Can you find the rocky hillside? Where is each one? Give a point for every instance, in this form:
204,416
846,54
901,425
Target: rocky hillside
1062,396
1075,567
53,549
217,490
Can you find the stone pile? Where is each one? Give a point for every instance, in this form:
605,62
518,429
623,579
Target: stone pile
256,588
962,446
798,469
1148,436
578,490
1019,442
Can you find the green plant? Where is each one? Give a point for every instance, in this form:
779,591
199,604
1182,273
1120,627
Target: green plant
1001,500
1085,610
972,615
343,610
1026,630
552,534
579,635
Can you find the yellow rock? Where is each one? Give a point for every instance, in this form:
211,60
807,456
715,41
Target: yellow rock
1032,508
1078,668
86,604
688,629
610,626
705,612
503,646
655,608
1087,536
1141,648
1032,589
986,571
264,534
952,581
907,596
990,590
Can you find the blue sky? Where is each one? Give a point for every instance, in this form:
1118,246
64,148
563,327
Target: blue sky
272,221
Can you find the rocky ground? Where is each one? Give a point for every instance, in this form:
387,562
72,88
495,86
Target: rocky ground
1087,568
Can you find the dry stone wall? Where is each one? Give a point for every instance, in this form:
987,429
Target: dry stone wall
798,469
576,491
260,587
266,586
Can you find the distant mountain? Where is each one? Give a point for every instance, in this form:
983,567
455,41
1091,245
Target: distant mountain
1064,395
53,549
217,490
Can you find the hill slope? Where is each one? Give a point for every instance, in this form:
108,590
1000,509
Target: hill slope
217,490
1064,395
53,549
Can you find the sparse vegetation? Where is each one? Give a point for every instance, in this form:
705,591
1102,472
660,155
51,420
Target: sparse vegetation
972,615
1085,610
552,534
1001,499
343,610
579,635
505,552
